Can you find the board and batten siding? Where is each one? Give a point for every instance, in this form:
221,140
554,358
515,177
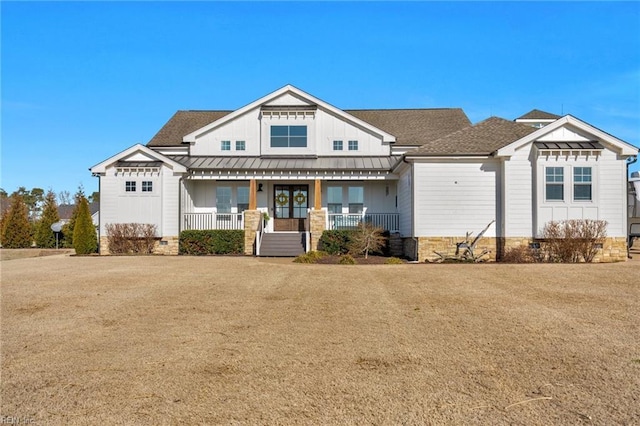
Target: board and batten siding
518,190
456,197
119,206
404,202
170,203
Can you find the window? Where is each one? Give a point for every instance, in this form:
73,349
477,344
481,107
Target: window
554,183
225,145
288,136
337,145
240,146
243,198
147,186
223,199
334,199
582,183
356,199
130,186
353,145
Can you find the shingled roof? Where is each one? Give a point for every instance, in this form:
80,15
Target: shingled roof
481,139
409,126
536,114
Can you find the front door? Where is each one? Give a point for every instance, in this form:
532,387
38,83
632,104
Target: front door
290,203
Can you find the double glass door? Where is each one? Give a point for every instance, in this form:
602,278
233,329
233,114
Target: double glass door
290,204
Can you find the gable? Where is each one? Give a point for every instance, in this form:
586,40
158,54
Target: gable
137,154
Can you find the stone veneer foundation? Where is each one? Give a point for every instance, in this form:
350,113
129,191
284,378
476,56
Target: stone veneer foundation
252,220
164,246
614,249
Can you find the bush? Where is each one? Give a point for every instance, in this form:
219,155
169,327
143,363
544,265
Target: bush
215,241
335,242
573,240
131,238
520,254
347,259
310,257
367,238
85,240
394,261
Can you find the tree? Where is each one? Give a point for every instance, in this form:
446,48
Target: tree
85,240
67,229
33,200
64,197
45,237
367,238
16,227
94,197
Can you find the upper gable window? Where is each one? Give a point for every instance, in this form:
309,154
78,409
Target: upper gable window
288,136
337,145
353,145
225,145
130,186
240,145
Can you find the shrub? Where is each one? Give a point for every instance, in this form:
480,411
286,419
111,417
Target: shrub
215,241
347,259
16,232
310,257
394,261
85,240
521,254
335,242
573,240
367,238
131,238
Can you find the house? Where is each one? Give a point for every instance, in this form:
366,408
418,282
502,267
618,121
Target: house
426,175
65,211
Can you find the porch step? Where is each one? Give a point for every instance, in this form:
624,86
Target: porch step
282,244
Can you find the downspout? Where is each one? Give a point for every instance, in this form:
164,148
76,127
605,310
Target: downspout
413,237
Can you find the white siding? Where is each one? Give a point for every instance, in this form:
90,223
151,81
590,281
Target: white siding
452,198
170,202
322,129
612,193
404,202
518,194
119,206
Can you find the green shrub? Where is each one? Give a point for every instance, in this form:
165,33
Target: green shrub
310,257
335,242
394,261
347,259
214,241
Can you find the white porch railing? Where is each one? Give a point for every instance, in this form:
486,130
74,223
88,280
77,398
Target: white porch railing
386,221
201,221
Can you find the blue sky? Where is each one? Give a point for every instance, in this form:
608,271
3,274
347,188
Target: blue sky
82,81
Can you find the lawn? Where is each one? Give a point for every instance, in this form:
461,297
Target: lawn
240,340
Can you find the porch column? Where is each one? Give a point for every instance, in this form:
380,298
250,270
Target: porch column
318,195
253,203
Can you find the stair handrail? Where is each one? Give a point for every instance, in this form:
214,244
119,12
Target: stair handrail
259,233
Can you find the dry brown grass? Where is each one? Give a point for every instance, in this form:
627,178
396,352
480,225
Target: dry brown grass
220,340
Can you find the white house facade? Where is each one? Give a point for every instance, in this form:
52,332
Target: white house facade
425,175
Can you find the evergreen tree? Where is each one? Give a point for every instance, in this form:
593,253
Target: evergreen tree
85,240
45,237
67,229
16,226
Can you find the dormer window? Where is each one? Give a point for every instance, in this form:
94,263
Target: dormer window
288,136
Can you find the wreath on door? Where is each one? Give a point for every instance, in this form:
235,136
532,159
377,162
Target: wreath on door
282,199
300,198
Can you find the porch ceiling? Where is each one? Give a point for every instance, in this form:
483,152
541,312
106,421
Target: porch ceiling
313,164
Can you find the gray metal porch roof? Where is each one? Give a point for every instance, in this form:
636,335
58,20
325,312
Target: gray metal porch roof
284,163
